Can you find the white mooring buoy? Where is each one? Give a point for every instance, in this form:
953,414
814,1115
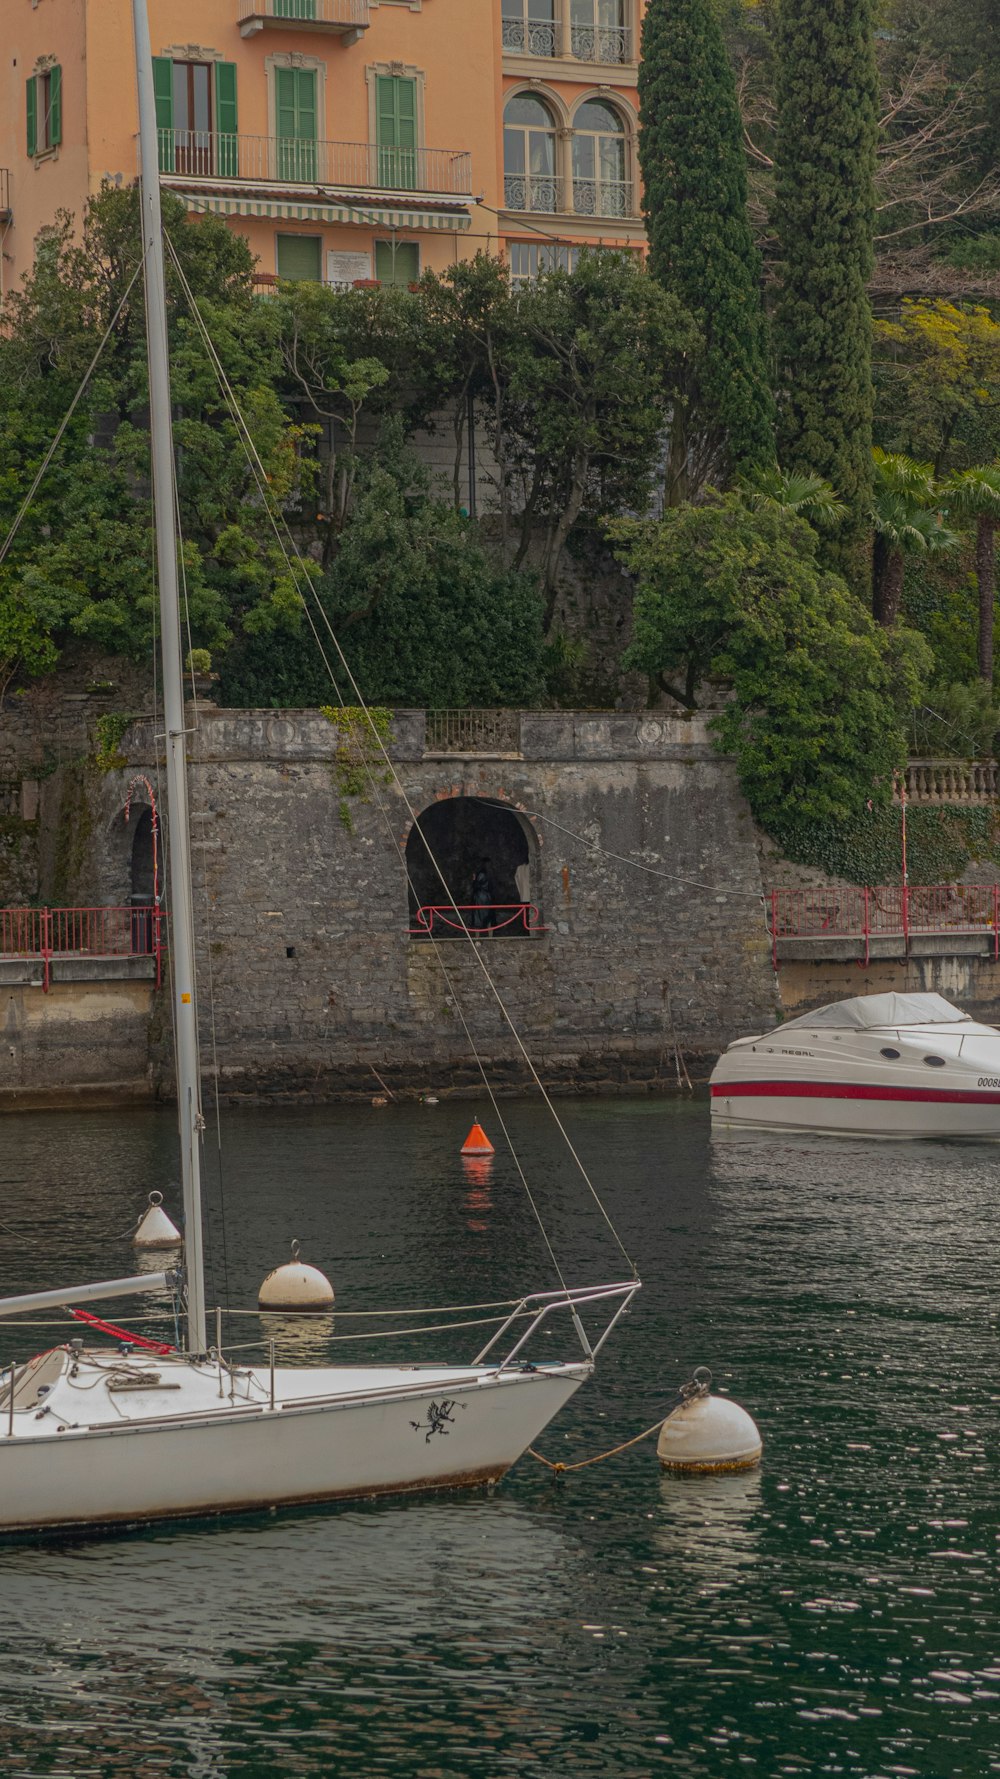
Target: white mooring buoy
295,1286
706,1432
155,1230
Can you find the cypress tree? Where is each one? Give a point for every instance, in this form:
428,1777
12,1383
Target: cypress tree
824,220
700,243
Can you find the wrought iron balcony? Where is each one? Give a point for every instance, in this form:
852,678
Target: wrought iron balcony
602,197
286,160
342,18
532,37
533,191
601,43
546,193
608,44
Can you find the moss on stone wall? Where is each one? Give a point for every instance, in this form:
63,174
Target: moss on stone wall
74,835
941,843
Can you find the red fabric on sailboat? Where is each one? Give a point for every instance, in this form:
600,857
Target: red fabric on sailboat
136,1340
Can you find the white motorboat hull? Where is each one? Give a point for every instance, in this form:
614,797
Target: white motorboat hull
919,1080
433,1429
839,1109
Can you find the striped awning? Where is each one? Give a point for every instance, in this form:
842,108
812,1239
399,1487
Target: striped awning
439,214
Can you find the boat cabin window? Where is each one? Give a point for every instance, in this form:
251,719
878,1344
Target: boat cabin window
934,1062
888,1051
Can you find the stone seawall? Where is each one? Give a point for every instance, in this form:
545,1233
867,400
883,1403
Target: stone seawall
82,1043
308,967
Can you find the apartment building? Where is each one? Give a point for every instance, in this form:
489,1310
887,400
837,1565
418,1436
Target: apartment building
346,139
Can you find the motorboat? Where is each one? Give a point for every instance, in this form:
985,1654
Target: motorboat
881,1065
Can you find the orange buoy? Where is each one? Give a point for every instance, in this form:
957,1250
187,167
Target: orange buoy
477,1142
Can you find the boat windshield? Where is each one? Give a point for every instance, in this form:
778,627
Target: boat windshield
862,1012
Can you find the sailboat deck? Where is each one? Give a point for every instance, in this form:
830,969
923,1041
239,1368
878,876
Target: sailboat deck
66,1391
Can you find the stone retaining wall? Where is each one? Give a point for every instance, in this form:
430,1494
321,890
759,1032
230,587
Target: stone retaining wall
314,977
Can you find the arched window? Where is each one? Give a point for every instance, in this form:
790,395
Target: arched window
529,27
600,186
599,31
529,155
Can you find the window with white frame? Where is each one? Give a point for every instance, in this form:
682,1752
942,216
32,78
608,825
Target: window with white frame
529,259
529,155
600,183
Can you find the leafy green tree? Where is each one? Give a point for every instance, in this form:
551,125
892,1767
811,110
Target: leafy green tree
816,692
906,521
938,383
975,494
469,319
700,244
422,612
592,366
81,563
824,210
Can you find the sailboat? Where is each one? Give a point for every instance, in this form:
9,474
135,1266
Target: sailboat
95,1436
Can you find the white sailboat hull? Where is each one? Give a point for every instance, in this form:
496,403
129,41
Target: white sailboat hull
437,1429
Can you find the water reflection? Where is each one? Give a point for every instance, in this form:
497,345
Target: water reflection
478,1201
836,1612
707,1527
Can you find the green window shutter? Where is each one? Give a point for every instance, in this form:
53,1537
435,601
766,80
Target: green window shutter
397,266
396,130
300,256
31,97
227,160
163,88
55,106
295,116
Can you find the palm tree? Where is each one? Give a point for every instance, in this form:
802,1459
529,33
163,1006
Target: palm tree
906,519
975,494
808,496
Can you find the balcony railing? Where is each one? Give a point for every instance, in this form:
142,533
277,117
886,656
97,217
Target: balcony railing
473,731
602,197
92,933
952,781
339,17
287,160
532,37
546,193
534,191
601,43
607,44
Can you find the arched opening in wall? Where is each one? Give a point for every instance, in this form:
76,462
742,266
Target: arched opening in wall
488,857
143,882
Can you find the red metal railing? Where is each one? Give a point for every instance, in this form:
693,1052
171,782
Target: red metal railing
440,920
890,910
46,933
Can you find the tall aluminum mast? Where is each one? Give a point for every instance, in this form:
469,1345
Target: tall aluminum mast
179,854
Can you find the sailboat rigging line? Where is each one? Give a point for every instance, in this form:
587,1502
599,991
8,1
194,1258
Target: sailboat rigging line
260,473
441,1309
622,858
67,417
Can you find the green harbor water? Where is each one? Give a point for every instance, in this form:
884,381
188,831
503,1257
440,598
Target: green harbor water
835,1612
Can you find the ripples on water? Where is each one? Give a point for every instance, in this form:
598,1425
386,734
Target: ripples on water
834,1613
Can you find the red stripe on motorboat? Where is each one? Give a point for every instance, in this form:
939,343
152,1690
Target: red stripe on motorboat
842,1090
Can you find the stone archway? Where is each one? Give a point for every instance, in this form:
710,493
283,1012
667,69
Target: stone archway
470,838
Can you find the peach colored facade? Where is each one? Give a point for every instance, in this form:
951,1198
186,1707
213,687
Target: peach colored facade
346,139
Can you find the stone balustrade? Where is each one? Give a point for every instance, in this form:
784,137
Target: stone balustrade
952,781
